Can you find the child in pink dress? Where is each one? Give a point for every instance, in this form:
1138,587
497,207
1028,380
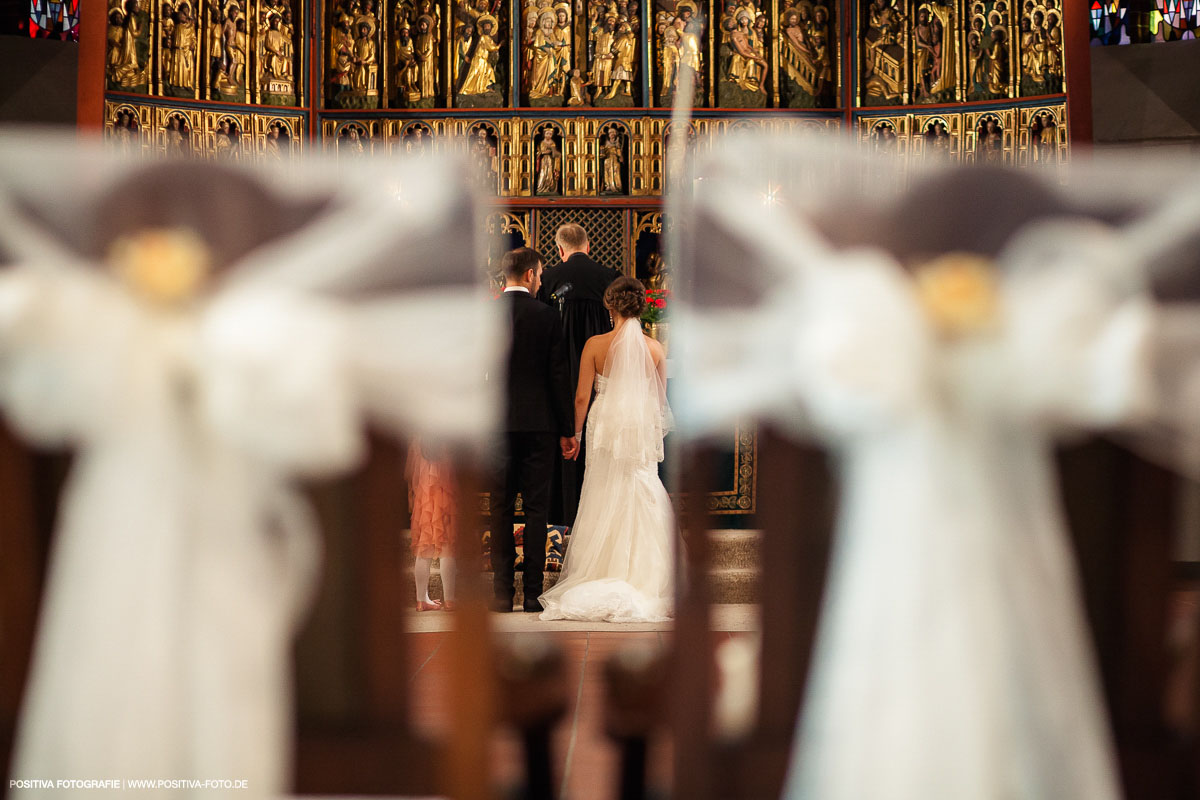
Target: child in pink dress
431,490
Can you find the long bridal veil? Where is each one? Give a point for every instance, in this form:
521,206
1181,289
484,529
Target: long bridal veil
635,415
620,558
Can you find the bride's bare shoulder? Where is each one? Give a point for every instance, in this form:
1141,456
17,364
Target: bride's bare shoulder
656,349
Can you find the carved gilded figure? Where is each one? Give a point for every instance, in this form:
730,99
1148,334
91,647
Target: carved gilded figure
228,52
341,49
425,52
612,162
481,74
742,82
351,142
549,164
177,136
603,37
884,139
682,50
125,131
227,142
404,66
1040,54
416,49
485,158
278,142
276,59
577,90
562,36
180,51
545,87
417,140
1044,139
997,60
989,141
355,54
478,69
884,69
1054,49
669,58
935,77
988,53
624,50
128,47
363,77
937,140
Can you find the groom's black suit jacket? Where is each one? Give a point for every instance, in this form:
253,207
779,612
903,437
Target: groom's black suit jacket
539,382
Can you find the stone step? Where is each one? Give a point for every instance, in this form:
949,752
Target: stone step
733,575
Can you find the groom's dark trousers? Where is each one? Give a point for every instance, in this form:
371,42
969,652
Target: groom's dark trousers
539,412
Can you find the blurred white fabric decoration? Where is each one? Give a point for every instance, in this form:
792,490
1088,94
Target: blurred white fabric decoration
201,336
936,331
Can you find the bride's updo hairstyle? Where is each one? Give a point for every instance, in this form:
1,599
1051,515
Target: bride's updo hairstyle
625,297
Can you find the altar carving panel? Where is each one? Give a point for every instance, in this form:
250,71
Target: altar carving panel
239,51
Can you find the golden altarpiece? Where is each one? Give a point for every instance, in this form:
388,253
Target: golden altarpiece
563,105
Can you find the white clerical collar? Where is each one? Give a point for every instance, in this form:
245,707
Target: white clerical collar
516,289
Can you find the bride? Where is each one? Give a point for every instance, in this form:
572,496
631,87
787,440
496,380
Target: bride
620,561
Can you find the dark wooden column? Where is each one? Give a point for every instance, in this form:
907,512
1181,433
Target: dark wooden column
20,583
89,90
1077,55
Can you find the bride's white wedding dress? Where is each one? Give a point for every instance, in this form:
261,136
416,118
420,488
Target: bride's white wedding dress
620,561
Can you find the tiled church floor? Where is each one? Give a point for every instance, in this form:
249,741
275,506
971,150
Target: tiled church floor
586,762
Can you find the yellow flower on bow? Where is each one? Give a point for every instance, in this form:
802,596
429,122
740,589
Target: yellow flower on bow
166,266
959,293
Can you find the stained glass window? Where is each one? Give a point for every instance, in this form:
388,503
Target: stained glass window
1138,21
58,19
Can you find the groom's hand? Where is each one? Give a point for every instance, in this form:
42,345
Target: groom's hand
570,447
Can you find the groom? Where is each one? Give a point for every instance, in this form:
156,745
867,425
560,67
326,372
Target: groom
540,420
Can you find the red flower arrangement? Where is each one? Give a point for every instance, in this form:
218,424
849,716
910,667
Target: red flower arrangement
656,306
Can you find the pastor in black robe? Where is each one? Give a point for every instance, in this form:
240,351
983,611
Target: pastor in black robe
575,287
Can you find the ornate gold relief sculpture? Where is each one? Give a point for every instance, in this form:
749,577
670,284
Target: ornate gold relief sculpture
548,160
479,39
127,66
613,155
884,68
742,67
275,51
547,60
1044,137
276,137
990,139
934,55
989,52
350,139
483,144
884,139
355,50
178,132
226,135
127,126
1041,48
227,49
612,42
808,56
179,49
417,139
936,138
416,55
679,36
